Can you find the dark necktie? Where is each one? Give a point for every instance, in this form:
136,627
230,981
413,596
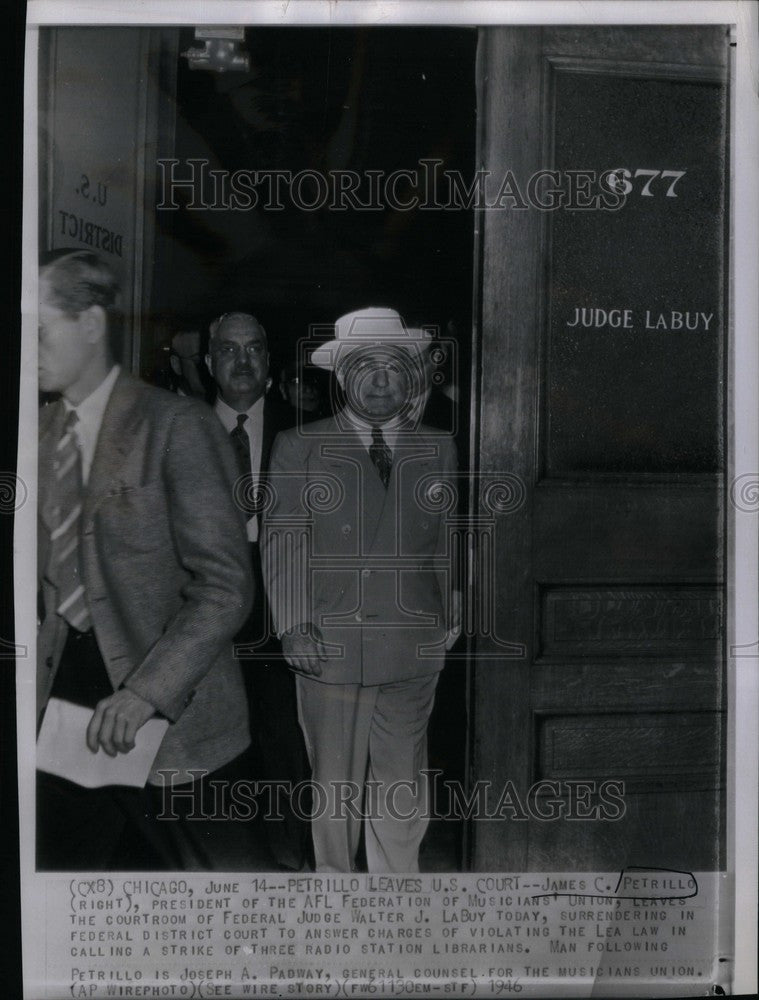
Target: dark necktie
239,437
381,455
241,443
72,604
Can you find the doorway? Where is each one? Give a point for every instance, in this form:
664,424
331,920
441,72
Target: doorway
393,108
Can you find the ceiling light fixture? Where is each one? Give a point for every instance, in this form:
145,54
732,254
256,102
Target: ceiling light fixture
223,50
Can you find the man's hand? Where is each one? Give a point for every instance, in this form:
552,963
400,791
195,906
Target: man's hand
304,649
454,628
115,722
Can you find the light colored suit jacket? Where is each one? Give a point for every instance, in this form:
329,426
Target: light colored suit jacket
370,567
165,565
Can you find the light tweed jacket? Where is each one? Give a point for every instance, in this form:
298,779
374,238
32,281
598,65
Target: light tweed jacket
165,565
370,567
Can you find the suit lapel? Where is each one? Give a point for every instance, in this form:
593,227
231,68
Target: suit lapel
382,509
272,426
413,459
341,450
52,419
115,441
375,497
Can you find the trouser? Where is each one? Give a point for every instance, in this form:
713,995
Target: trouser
116,828
121,828
367,747
281,760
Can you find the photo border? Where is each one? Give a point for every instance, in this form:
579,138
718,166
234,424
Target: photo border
743,411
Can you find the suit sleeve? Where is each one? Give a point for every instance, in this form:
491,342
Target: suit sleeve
210,543
285,535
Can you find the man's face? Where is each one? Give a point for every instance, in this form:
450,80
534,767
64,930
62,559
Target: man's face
302,394
377,382
239,362
65,347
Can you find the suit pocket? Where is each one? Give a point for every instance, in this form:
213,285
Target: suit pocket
420,594
334,592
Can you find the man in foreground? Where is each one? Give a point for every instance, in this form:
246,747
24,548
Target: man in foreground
144,581
356,567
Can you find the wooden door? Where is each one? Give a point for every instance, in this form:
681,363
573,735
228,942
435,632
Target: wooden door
602,662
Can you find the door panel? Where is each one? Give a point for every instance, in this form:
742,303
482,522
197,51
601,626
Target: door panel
602,389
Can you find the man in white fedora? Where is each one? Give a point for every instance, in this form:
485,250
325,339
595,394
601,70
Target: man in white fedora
356,564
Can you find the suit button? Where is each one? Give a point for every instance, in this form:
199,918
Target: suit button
49,663
366,572
358,618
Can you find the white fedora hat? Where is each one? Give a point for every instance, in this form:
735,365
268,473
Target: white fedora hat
371,327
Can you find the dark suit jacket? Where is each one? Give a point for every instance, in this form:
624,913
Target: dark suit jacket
164,560
275,420
369,566
257,633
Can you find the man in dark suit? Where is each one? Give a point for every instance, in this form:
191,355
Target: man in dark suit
144,581
238,360
358,573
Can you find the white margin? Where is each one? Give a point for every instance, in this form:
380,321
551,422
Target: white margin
743,553
25,525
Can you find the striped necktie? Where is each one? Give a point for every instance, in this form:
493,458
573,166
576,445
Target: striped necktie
381,455
67,465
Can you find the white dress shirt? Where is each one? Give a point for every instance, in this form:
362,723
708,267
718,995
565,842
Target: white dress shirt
254,428
390,430
90,413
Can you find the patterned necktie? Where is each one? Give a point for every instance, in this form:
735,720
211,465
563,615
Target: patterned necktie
239,438
65,537
381,455
241,443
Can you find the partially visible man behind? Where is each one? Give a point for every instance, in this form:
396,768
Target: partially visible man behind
144,581
304,394
434,407
188,376
238,361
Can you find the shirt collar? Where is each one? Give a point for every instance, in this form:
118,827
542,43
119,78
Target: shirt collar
390,429
228,416
90,411
360,424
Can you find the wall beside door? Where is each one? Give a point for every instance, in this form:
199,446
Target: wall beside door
100,129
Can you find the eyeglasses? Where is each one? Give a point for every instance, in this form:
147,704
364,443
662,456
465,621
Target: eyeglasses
230,350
